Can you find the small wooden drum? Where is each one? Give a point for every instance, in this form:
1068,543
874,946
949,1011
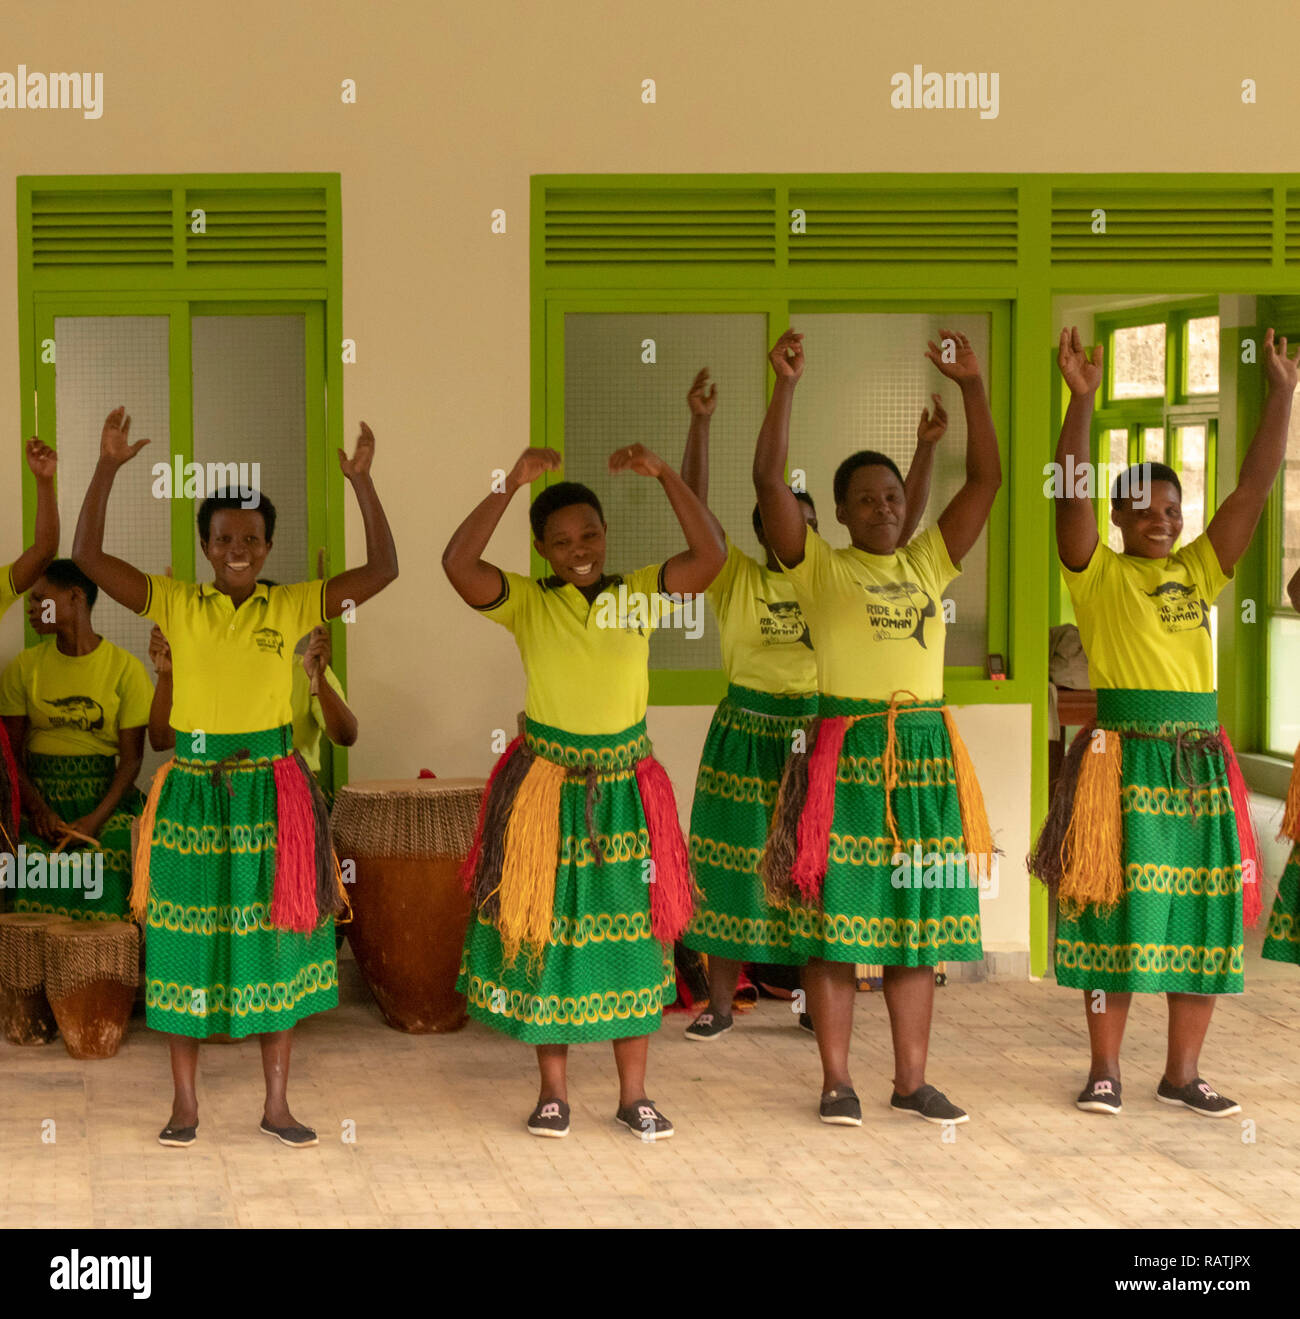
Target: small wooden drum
407,839
24,1012
91,969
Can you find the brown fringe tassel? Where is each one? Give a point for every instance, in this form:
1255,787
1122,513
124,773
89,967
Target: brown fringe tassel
486,885
1291,814
1093,855
1045,861
776,865
527,889
140,862
970,797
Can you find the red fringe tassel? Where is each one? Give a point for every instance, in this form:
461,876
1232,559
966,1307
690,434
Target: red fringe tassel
1251,902
672,893
293,901
814,837
470,864
11,777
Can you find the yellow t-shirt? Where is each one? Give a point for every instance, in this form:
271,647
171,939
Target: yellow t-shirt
75,704
232,669
7,593
308,717
877,618
587,666
1146,622
766,644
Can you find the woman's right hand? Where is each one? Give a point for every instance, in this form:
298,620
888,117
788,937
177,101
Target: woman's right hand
531,464
787,356
703,395
159,651
114,441
1082,373
45,823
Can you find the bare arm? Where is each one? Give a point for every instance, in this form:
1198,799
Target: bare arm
356,585
123,581
702,399
34,560
43,820
340,722
130,756
962,521
1076,519
476,581
1233,525
783,519
916,487
691,571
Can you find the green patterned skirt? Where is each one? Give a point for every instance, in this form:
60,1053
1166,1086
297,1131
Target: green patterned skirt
213,962
1178,927
749,741
917,908
72,787
604,975
1282,940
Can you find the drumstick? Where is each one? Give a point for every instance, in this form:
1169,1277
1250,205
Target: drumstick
67,833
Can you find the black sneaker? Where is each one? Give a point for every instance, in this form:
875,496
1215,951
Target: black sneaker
930,1104
1100,1096
709,1025
1198,1097
841,1108
549,1118
645,1120
805,1023
179,1137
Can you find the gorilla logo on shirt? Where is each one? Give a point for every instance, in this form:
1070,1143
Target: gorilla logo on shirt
77,712
1178,607
784,625
268,638
898,610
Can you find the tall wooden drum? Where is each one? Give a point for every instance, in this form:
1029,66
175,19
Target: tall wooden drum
407,839
25,1014
91,969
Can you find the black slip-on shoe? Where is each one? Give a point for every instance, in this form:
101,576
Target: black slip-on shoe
549,1118
643,1119
298,1138
841,1107
1101,1096
930,1104
1198,1097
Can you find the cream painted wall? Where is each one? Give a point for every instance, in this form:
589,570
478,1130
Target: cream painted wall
459,104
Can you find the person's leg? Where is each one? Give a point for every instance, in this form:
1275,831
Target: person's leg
630,1059
1189,1019
552,1063
276,1047
909,996
724,976
1107,1017
830,988
185,1065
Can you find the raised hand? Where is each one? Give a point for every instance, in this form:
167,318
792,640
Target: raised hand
787,356
160,653
42,459
317,656
966,365
362,456
636,458
1282,371
1082,373
531,464
114,439
931,428
703,395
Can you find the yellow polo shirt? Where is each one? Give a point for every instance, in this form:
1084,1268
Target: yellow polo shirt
878,618
587,666
766,644
232,669
7,593
1146,622
75,704
308,717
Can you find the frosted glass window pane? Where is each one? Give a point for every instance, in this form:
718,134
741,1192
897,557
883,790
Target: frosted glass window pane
612,398
1291,503
1203,355
1153,444
866,381
250,407
1116,449
1192,446
101,362
1283,690
1139,362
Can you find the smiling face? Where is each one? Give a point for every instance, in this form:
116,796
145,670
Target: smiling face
873,509
573,543
236,548
65,601
1150,533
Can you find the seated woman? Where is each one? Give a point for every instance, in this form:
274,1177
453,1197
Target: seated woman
75,708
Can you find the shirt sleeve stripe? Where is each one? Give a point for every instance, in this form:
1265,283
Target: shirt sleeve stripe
500,600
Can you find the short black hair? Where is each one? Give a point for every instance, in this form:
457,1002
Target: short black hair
1140,477
802,495
863,458
563,494
65,573
256,503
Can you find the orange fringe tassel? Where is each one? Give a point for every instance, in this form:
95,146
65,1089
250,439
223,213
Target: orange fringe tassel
527,888
1092,855
1291,815
144,845
970,798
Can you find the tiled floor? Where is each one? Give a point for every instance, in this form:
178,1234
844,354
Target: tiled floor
439,1134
